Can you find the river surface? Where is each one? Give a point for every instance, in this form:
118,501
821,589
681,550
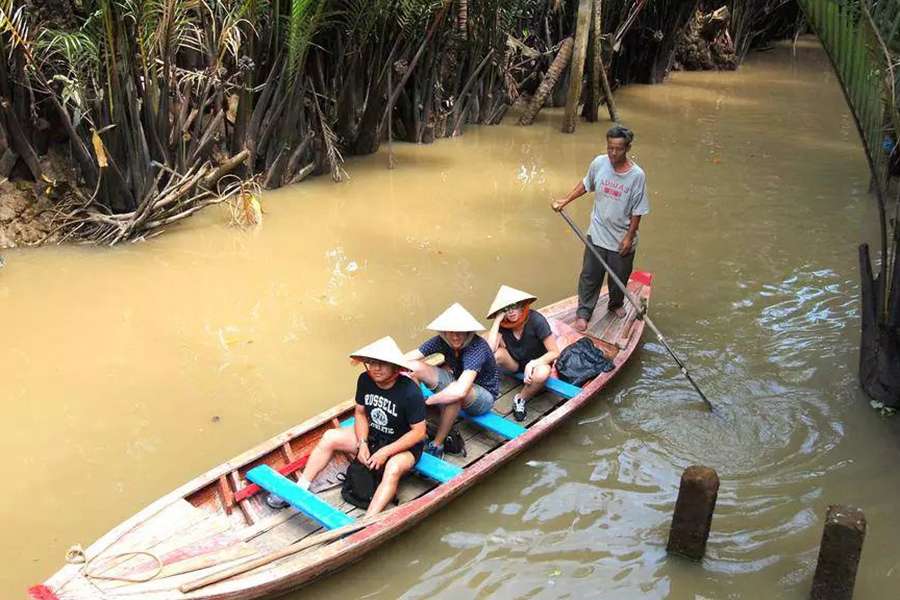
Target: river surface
124,372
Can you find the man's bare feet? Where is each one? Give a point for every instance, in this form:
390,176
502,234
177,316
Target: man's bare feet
581,324
619,311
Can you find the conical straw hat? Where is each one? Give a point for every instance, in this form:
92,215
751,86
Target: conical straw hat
456,318
507,296
385,350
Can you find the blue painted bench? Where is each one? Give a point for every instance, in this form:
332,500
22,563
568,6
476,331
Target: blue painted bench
428,465
305,501
557,386
489,420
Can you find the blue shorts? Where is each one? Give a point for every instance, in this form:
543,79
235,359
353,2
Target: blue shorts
484,400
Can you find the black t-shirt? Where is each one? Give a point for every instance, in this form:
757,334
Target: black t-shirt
392,412
531,344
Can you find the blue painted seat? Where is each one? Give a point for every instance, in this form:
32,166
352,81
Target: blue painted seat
305,501
557,386
496,424
489,420
428,465
437,468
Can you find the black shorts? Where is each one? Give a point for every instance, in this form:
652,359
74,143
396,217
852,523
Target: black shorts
376,443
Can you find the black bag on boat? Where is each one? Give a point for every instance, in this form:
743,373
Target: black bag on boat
360,484
581,362
453,443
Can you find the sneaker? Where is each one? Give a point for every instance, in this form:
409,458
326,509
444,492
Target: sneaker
519,411
276,502
436,450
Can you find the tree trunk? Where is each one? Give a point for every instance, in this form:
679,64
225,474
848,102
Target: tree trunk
549,82
582,33
879,350
594,54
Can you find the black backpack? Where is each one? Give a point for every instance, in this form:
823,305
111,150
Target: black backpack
453,443
359,484
581,362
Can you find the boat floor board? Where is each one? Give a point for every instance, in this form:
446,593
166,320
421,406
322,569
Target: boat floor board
155,534
605,325
414,486
286,533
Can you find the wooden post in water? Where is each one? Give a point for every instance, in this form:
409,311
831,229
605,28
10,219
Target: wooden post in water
576,74
693,512
839,553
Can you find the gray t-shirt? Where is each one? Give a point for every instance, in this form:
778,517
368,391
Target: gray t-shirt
617,196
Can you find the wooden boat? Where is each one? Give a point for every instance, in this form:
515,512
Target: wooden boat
215,522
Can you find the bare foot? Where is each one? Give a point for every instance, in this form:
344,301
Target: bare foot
619,312
581,324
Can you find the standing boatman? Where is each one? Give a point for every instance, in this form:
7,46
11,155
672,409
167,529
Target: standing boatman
620,200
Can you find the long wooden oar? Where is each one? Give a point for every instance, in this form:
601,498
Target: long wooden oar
637,306
308,542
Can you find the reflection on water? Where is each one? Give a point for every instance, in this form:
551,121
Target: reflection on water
126,372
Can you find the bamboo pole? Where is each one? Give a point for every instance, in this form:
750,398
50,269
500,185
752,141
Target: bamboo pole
582,31
308,542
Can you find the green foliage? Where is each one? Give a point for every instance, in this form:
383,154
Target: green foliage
413,16
304,19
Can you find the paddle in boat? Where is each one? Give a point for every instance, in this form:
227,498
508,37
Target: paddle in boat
215,537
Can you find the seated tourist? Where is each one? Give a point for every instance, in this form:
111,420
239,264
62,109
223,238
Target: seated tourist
468,379
388,432
522,341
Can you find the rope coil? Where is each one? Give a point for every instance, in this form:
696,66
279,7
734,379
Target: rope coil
75,556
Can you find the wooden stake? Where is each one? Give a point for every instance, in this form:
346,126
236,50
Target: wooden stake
693,512
839,553
582,32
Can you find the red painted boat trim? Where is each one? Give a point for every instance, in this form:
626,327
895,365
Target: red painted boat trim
42,592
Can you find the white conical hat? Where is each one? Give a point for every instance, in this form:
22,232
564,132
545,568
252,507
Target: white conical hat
508,296
385,350
456,318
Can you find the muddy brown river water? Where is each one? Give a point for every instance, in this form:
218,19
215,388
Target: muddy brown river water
125,372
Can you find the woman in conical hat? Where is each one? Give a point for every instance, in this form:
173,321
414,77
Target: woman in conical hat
522,341
468,379
388,431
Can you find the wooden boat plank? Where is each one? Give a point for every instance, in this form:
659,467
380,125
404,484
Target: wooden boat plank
413,486
203,538
476,447
288,532
188,569
79,588
180,516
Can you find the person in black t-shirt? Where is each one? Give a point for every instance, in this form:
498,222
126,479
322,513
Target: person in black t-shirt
522,341
389,426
